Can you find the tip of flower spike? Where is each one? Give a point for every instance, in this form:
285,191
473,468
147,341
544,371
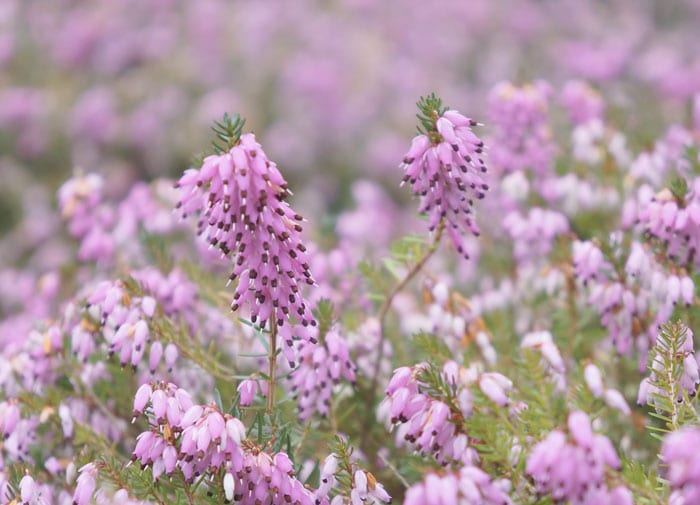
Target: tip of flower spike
228,131
431,108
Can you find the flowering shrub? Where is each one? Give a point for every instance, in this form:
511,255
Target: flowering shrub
175,335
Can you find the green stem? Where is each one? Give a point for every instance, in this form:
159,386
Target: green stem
384,311
272,368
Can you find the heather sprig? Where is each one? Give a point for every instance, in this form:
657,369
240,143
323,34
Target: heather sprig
430,108
228,131
444,166
239,196
672,385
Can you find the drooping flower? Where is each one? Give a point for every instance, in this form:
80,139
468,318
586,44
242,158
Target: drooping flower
469,486
430,423
534,233
201,440
444,166
123,321
521,138
87,481
321,366
572,466
681,455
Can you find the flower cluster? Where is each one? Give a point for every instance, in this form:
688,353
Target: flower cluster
364,486
30,357
521,138
675,222
573,467
469,486
681,455
239,196
573,194
122,320
581,102
451,316
533,234
633,301
432,421
106,229
79,200
201,440
321,366
445,168
365,344
18,433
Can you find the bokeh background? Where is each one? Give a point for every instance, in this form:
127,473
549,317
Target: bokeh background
129,88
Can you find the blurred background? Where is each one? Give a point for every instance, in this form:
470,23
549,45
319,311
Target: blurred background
129,88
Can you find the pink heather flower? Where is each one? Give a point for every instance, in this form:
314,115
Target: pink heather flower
495,386
80,203
201,440
445,168
18,433
239,196
675,221
614,399
521,138
365,343
115,319
622,300
9,416
543,343
589,261
469,486
86,484
321,366
581,101
94,117
573,467
327,480
534,234
425,422
681,455
594,380
248,388
29,491
366,489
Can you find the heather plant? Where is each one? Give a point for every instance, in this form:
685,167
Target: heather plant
479,339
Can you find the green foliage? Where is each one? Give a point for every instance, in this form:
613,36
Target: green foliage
431,109
691,155
432,347
673,406
324,316
648,487
679,189
228,131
